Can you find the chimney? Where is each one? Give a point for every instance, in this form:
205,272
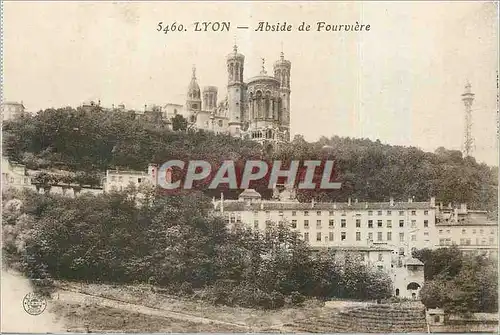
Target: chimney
349,201
440,205
312,203
410,200
463,208
433,201
355,201
335,205
455,212
449,205
366,204
261,205
391,201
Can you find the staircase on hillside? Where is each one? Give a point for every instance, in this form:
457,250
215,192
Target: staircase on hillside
383,318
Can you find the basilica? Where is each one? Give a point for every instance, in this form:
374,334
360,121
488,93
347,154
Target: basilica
256,109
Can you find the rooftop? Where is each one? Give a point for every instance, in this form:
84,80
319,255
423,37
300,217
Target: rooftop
237,205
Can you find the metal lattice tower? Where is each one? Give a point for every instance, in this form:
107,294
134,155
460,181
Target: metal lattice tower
468,98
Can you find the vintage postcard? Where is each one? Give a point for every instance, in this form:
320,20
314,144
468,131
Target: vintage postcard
249,167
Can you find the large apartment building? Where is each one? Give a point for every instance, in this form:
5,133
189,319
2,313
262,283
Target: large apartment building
400,226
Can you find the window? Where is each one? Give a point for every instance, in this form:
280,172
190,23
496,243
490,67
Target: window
414,223
306,236
401,213
294,223
318,237
401,223
413,237
358,236
342,223
256,224
440,231
294,213
379,236
370,236
370,223
447,231
331,213
492,241
139,180
238,218
370,212
464,231
306,213
492,232
426,212
401,237
380,257
318,224
379,223
426,223
331,223
318,213
233,219
380,267
306,224
268,213
441,241
481,231
113,178
379,213
280,213
426,233
255,213
389,212
343,236
120,179
358,223
389,236
389,223
330,236
413,212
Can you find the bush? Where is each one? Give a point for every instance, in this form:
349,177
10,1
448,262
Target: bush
186,289
277,300
296,298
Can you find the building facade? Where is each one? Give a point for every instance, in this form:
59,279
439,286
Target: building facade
12,110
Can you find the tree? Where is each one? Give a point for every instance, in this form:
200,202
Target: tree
179,123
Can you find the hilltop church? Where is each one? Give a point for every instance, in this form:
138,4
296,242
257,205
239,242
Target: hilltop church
258,109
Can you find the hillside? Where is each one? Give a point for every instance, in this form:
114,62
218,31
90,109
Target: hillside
94,141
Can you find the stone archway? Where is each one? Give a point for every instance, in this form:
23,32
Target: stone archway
413,286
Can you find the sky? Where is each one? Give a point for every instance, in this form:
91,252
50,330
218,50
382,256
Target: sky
401,82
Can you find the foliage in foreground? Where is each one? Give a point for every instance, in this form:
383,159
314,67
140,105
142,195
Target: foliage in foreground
459,283
174,242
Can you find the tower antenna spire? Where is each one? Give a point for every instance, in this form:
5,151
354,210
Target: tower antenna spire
468,98
263,66
235,46
194,71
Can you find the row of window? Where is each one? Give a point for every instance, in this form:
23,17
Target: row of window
120,179
343,223
332,213
343,236
464,231
467,241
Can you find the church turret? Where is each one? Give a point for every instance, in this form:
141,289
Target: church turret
282,69
235,90
193,102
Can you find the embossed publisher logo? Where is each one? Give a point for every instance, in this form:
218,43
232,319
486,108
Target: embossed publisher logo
34,304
